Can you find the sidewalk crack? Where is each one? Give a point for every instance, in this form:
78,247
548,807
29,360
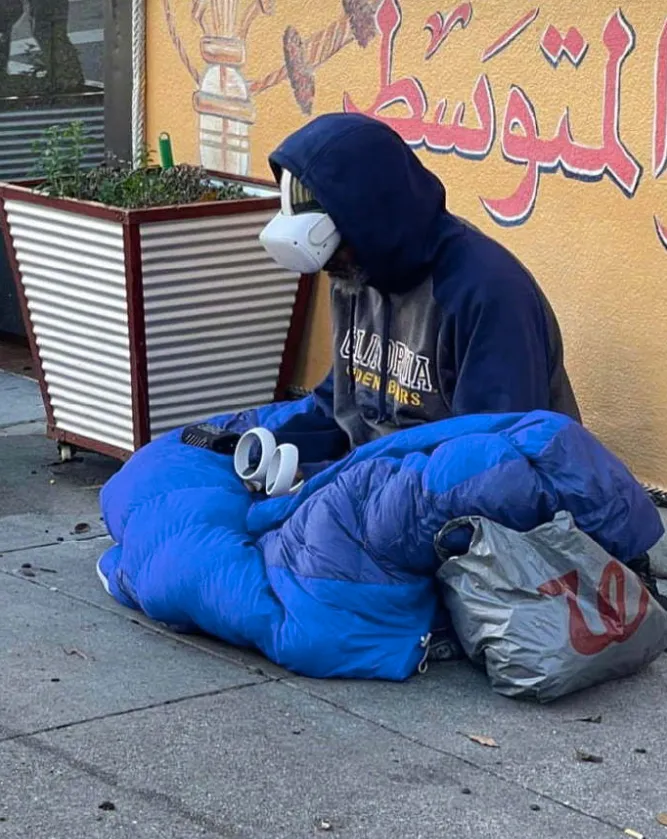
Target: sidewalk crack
486,770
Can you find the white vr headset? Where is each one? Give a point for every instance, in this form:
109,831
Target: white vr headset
299,241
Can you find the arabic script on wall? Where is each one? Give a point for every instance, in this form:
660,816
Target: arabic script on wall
517,129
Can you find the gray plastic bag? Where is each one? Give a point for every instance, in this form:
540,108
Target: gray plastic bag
547,612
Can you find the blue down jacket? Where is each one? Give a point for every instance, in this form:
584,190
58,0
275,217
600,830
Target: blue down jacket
338,580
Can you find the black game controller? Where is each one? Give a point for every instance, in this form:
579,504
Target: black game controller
205,435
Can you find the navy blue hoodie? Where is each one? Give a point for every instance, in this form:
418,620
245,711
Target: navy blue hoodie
446,321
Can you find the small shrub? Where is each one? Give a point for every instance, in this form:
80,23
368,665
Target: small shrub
61,157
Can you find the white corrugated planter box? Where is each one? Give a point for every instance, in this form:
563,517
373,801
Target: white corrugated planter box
143,320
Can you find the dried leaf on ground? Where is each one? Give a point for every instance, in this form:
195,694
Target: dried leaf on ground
587,757
661,818
76,653
82,527
489,742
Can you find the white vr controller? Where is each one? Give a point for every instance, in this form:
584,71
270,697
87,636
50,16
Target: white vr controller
276,470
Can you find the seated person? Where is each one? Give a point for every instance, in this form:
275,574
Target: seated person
431,317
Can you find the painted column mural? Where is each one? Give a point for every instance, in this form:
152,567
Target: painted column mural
224,100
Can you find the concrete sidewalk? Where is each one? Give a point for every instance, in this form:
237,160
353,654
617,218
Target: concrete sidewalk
112,727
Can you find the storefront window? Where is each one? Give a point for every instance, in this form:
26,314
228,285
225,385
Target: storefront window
50,47
51,73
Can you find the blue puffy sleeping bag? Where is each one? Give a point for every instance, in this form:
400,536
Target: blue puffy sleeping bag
339,579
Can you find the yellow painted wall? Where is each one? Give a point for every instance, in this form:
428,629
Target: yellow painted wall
592,238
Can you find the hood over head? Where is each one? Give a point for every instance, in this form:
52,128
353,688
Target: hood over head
386,205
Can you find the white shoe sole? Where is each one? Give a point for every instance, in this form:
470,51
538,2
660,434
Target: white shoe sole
103,579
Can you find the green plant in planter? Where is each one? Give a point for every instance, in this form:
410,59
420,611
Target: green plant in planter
61,163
